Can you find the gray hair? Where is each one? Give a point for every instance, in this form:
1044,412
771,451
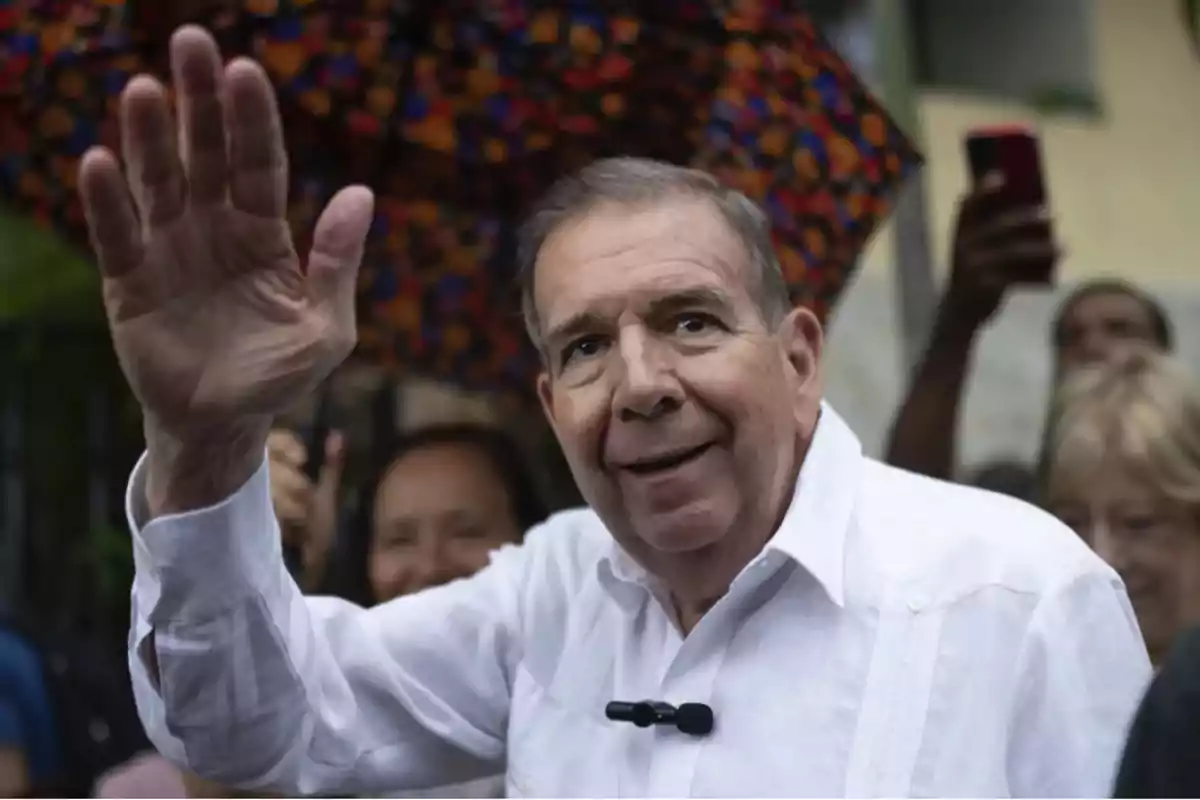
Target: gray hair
641,181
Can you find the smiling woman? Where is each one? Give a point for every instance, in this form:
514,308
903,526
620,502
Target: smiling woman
1124,472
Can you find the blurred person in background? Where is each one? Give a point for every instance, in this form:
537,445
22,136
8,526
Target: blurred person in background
434,509
416,526
29,744
1123,470
68,725
993,247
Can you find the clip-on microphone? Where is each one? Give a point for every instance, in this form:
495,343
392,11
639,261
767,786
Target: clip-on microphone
694,719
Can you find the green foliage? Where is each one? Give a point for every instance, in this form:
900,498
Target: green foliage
1191,19
56,359
43,278
1067,101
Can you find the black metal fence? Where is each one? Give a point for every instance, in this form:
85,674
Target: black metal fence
69,435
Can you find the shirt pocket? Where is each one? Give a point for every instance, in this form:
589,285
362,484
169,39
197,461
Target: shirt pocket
556,749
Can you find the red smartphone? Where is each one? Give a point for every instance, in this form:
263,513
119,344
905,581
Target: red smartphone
1015,153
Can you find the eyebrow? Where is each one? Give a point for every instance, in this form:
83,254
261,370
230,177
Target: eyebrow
700,296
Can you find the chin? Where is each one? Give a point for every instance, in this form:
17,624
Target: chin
695,526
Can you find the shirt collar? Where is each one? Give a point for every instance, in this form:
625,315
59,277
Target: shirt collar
814,529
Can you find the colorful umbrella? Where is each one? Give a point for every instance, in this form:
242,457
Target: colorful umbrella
461,112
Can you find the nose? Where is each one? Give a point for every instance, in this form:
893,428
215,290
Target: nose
648,388
432,565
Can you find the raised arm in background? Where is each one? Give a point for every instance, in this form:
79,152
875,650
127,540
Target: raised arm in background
994,246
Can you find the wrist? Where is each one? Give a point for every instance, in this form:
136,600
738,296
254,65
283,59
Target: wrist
955,329
203,468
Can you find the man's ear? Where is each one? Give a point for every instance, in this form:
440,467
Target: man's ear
803,340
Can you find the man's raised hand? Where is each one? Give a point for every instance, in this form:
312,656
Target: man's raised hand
217,326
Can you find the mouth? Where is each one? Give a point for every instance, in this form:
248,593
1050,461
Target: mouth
651,466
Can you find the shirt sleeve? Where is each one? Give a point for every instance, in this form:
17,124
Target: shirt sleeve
242,680
1081,674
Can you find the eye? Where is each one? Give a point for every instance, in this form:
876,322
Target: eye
1073,518
1139,522
693,323
396,540
583,347
1074,522
469,532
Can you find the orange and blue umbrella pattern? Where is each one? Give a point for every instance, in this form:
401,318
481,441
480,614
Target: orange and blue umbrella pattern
460,113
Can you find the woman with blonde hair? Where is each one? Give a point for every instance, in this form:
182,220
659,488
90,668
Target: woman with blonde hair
1122,467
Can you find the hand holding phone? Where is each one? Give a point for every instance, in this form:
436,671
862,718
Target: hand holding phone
1004,226
1014,155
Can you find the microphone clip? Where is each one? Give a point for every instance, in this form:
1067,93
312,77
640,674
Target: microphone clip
694,719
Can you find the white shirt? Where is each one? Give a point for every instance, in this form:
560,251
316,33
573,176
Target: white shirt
898,636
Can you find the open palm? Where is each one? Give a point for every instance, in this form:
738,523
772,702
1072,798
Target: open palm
212,316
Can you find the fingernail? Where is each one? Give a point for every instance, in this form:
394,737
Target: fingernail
992,180
334,444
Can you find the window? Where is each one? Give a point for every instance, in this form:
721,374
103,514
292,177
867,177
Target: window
1038,51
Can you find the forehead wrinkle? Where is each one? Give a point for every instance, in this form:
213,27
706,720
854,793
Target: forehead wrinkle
661,281
657,225
657,291
652,237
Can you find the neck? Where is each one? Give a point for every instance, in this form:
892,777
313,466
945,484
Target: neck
689,614
690,610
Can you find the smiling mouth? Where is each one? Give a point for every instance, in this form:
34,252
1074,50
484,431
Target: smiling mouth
651,466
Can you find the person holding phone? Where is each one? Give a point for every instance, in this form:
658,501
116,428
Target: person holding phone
1004,240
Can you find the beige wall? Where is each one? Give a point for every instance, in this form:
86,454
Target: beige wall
1126,186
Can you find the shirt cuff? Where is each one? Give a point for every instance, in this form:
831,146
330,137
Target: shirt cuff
198,564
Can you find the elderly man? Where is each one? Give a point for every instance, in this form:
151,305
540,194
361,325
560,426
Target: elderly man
852,628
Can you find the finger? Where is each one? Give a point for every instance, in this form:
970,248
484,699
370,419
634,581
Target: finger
112,223
1015,261
1027,226
257,158
199,77
285,448
151,155
335,457
292,516
984,194
339,241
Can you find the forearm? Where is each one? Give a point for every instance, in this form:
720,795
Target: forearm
923,437
246,683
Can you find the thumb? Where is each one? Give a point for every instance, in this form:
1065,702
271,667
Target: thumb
339,241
